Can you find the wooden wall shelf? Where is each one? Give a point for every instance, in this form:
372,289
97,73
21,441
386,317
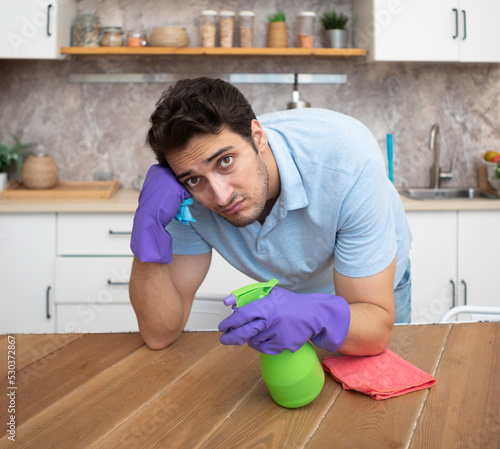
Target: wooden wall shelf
200,51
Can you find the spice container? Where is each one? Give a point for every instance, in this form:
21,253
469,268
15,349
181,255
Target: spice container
246,29
226,29
87,31
112,37
305,38
208,27
136,39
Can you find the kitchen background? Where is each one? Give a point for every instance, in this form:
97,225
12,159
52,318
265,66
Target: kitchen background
102,127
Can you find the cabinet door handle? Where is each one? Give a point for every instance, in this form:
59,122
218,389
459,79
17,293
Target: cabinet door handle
47,302
455,10
120,232
453,303
465,292
110,282
465,24
48,20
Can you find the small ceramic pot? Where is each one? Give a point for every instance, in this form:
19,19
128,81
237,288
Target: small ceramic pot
3,180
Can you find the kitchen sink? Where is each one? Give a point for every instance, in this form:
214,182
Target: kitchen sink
447,194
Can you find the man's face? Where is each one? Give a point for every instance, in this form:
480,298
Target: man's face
225,173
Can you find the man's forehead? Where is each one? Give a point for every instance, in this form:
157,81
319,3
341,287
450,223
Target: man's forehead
202,150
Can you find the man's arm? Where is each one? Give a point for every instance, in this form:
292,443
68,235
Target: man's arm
371,300
162,296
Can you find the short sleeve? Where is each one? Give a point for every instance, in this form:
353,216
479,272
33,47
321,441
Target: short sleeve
186,241
366,235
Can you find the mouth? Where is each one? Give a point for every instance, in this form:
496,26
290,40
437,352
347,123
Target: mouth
235,207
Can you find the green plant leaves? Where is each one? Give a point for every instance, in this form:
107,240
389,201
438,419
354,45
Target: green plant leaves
333,21
14,154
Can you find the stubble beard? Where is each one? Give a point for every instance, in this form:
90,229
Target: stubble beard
259,199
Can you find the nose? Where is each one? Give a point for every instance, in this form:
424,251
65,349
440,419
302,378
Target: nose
221,190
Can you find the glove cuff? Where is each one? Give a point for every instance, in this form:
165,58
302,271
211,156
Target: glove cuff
153,244
336,327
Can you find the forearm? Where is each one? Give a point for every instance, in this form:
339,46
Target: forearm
371,302
370,330
157,304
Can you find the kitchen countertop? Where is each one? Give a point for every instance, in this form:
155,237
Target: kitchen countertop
126,201
456,204
122,201
110,390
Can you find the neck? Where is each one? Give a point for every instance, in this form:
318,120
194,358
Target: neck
274,184
274,176
266,211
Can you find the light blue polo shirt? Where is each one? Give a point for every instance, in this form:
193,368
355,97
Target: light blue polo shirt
336,208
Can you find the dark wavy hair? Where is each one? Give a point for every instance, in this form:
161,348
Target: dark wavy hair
197,106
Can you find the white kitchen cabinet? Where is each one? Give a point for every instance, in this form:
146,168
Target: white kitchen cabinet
35,29
433,258
426,30
27,257
93,269
478,255
453,261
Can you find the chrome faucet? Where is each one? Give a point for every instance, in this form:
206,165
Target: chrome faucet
436,173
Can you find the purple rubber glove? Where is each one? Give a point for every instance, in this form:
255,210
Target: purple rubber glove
160,198
286,320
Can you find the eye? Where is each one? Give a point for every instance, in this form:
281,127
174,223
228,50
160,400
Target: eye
226,161
192,182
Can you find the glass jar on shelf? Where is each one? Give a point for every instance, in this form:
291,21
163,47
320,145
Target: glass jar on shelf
305,37
208,28
246,19
112,37
86,30
136,38
226,23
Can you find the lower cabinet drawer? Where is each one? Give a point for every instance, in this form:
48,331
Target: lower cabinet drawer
93,280
221,279
88,317
99,317
94,234
206,315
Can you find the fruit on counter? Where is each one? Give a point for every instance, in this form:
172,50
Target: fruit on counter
490,155
496,159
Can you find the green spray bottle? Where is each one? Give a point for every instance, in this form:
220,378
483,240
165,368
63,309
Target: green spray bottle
293,379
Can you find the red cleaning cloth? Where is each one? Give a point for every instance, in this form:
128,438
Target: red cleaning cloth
380,376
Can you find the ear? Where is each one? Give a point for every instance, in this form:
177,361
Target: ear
259,136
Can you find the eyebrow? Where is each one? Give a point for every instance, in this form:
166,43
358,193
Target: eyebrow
207,160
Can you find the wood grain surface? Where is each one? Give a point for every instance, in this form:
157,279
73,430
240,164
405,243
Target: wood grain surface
111,391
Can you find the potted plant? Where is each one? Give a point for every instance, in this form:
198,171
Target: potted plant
10,155
335,28
277,36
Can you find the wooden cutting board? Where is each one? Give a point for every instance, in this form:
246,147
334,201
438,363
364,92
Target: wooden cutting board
483,180
63,190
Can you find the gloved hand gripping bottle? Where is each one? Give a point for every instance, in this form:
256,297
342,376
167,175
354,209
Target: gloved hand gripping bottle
293,379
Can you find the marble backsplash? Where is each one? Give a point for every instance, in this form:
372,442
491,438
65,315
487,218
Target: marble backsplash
102,127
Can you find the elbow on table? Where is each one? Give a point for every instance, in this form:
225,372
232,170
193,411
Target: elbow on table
157,342
380,344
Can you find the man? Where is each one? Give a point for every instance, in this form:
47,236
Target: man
298,195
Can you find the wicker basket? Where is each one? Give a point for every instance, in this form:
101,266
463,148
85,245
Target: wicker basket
40,172
171,36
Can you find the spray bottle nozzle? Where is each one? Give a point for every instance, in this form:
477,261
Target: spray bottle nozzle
249,293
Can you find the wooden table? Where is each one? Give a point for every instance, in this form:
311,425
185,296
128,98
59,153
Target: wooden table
111,391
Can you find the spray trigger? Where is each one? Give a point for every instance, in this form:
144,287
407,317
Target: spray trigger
249,293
